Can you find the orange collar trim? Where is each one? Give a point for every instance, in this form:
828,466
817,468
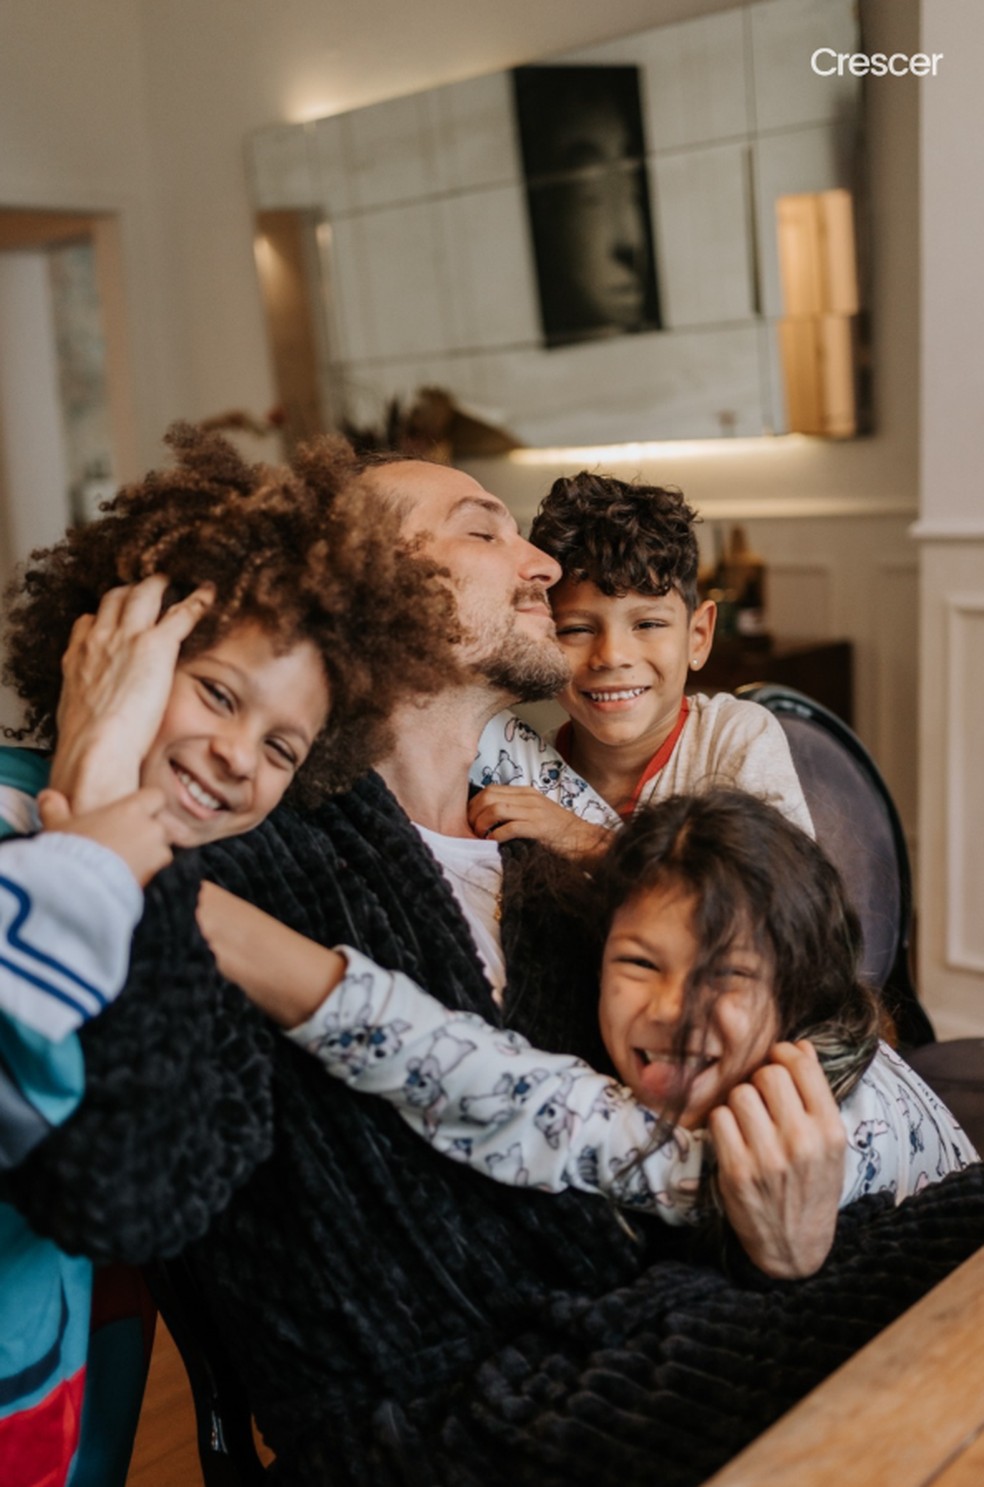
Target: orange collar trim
565,737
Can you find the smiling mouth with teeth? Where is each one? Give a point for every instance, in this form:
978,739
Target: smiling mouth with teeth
625,694
693,1063
197,791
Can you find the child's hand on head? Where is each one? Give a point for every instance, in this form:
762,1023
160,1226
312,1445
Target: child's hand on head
780,1144
503,813
118,671
130,827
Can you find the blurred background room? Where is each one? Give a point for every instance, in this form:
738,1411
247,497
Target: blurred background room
286,218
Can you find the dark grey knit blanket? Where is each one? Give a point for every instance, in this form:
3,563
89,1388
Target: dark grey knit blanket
395,1318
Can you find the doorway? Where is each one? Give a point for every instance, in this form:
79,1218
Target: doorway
66,417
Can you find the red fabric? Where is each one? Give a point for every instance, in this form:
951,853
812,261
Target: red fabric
564,738
37,1445
119,1291
562,741
660,757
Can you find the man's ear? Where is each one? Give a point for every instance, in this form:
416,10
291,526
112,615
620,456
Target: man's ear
701,633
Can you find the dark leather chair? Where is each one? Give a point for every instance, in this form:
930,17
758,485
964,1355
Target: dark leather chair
858,826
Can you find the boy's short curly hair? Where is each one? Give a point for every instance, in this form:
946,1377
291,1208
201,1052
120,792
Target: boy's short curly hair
308,552
619,536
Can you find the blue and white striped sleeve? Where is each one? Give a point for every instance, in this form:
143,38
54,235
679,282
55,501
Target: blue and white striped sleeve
68,908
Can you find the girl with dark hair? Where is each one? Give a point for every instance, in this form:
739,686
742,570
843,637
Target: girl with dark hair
727,947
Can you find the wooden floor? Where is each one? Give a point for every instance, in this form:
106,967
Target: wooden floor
166,1453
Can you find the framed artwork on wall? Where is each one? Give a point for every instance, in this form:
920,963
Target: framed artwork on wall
584,158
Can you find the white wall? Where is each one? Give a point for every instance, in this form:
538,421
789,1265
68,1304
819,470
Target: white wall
952,235
219,70
144,108
951,782
34,474
74,126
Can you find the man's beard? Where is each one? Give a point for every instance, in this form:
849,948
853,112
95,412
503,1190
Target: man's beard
529,670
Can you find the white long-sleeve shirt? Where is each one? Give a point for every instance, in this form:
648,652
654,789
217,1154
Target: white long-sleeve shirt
724,741
484,1097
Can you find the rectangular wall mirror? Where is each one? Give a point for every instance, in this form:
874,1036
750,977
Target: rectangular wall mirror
616,283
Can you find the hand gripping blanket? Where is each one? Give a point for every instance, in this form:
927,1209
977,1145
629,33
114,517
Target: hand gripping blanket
397,1319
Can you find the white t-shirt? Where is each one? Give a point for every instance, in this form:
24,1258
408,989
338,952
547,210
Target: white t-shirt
473,869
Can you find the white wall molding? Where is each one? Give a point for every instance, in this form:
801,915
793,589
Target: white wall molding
795,590
964,712
797,507
947,531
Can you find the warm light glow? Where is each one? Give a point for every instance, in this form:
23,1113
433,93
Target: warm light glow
309,113
270,264
677,449
304,99
263,251
819,330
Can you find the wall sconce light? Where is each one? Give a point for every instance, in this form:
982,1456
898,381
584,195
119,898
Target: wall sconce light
819,331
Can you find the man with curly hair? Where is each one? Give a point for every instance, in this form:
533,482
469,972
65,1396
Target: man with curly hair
393,1317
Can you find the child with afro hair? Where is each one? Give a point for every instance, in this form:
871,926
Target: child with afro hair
223,633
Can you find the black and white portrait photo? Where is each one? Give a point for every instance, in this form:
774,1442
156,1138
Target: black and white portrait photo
583,146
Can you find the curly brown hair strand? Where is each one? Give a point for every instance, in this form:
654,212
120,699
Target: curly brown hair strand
307,552
619,536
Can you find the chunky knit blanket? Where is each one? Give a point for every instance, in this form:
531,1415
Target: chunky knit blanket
395,1318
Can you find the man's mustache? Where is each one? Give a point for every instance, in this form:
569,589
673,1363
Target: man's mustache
530,593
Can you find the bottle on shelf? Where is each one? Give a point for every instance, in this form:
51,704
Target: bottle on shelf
743,574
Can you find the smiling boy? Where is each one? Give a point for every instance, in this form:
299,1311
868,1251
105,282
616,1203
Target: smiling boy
631,623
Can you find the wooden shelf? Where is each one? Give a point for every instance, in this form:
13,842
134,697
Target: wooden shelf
823,669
